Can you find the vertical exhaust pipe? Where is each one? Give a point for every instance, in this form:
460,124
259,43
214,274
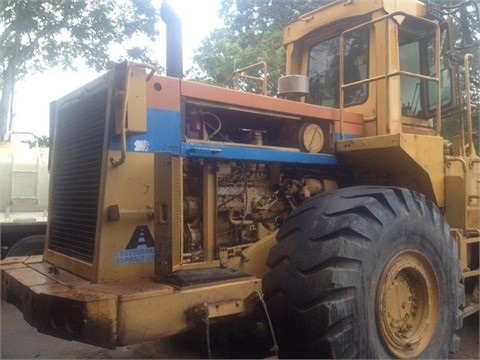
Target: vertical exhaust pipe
174,40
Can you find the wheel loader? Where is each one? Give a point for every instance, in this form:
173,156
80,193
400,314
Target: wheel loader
334,211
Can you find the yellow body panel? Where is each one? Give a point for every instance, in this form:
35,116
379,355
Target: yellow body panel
462,187
153,316
412,161
120,312
253,258
462,181
341,10
131,188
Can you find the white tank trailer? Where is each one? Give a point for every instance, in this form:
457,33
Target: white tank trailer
23,197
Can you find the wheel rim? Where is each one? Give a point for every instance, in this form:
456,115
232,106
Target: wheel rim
407,304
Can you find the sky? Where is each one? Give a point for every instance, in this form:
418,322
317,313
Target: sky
34,93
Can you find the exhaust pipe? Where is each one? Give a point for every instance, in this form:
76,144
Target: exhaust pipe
174,40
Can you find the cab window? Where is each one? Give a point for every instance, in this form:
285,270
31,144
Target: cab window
417,55
324,70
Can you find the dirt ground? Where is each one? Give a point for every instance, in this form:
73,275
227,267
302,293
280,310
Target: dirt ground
469,345
21,341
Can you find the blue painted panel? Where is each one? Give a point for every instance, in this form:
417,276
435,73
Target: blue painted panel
163,134
336,137
232,152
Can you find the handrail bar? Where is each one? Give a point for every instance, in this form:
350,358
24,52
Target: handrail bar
237,74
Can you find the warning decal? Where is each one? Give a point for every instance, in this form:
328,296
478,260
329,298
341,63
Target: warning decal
139,249
141,238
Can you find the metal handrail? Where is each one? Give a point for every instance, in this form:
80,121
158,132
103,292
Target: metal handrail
123,130
237,74
388,75
469,105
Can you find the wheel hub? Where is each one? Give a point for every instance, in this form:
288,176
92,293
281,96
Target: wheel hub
407,304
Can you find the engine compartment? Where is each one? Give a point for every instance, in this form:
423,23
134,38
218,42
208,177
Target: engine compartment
251,200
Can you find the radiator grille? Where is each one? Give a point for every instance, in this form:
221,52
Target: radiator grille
78,152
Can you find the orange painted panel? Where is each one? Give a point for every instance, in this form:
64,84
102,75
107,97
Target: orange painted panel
163,93
266,103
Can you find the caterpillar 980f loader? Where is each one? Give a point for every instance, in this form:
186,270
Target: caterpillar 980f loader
174,203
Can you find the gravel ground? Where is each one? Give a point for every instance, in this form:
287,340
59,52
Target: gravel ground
469,345
21,341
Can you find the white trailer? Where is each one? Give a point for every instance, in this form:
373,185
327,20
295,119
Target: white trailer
23,196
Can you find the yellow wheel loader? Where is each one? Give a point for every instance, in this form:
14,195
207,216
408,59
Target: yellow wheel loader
334,210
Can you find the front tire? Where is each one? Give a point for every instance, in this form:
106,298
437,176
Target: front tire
365,272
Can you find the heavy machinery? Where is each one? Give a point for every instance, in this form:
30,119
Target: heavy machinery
175,204
23,195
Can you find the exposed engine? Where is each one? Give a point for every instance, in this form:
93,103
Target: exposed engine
251,201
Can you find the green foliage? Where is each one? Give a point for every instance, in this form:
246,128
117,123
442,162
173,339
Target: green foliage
38,34
252,33
41,141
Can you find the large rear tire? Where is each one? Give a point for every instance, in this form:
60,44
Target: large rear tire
366,272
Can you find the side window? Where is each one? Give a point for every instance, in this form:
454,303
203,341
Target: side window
445,73
355,66
323,73
410,61
324,70
417,56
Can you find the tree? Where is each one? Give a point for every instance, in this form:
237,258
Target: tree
42,141
252,33
37,34
466,24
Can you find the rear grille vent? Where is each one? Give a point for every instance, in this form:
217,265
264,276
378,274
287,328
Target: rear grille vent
78,152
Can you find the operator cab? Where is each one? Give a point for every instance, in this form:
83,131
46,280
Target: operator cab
383,64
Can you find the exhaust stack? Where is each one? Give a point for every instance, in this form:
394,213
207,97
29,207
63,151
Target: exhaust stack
174,40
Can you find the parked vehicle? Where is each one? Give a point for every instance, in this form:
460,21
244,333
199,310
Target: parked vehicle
324,211
23,196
